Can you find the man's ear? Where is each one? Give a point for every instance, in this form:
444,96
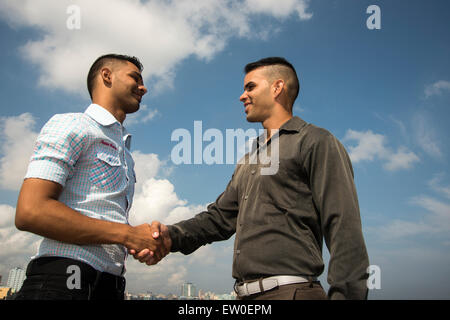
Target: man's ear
277,87
106,75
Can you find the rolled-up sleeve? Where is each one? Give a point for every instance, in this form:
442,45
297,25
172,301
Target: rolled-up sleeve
57,149
334,194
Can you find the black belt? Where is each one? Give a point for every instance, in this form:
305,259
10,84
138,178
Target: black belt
60,265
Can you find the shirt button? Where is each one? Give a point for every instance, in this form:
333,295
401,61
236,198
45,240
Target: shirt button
246,197
253,171
238,251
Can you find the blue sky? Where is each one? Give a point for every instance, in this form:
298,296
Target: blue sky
384,93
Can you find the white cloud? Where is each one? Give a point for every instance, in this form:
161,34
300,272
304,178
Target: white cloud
143,116
177,278
371,146
426,135
439,212
402,159
437,88
435,221
298,108
146,166
16,247
280,8
6,216
161,33
166,276
18,139
401,228
436,186
401,126
158,201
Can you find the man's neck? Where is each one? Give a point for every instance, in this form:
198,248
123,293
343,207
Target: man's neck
275,122
116,112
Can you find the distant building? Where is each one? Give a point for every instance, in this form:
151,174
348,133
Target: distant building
188,290
172,296
230,296
16,278
5,293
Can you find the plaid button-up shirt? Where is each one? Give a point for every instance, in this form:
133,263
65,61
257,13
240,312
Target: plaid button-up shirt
89,155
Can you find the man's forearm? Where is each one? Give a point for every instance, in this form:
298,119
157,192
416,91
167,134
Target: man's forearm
54,220
215,224
38,211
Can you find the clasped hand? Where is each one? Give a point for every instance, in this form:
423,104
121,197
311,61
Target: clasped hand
154,249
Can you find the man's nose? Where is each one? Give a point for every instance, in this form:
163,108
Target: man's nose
143,89
243,97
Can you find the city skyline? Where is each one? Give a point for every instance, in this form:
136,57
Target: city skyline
16,277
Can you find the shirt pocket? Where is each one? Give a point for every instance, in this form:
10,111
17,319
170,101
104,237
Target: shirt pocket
107,172
280,189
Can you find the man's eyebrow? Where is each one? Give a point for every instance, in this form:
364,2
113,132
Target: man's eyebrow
137,74
248,84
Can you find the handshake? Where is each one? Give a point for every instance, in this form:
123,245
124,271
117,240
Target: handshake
149,243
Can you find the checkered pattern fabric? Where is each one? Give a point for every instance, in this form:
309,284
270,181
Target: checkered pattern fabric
88,154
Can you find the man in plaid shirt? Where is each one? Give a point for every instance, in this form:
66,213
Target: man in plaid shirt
78,191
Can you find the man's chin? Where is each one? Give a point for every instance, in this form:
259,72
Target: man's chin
251,118
133,108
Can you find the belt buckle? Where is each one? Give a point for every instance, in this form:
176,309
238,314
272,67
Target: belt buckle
236,285
244,285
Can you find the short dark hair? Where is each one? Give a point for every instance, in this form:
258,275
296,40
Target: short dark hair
101,61
272,61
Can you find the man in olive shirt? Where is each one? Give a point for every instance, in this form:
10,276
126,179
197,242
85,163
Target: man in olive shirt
280,219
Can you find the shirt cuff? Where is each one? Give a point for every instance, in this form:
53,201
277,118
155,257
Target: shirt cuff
174,236
48,170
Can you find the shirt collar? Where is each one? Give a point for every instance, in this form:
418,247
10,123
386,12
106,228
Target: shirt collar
105,118
293,124
127,138
101,115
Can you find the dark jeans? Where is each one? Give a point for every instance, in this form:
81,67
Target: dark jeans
54,278
296,291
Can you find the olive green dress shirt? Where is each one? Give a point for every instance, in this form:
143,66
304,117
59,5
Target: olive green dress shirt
280,220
